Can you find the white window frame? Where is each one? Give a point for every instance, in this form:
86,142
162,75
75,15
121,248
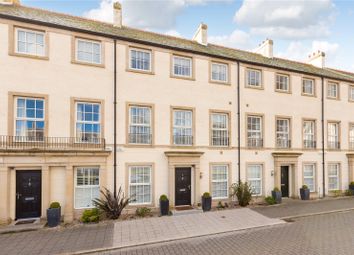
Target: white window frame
222,132
78,139
254,133
140,184
214,168
351,136
310,82
25,119
260,179
333,138
183,127
280,83
141,125
351,93
90,187
190,66
312,177
337,175
257,78
218,72
280,134
143,51
36,32
311,134
92,42
333,90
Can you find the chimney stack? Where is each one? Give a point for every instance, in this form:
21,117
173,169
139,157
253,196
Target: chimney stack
117,14
201,36
317,59
10,2
265,48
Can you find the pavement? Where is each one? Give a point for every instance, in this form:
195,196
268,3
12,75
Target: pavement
122,235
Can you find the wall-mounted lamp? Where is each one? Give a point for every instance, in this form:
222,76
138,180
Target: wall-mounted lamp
272,173
200,175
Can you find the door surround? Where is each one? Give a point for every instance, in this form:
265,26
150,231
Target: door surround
287,159
181,159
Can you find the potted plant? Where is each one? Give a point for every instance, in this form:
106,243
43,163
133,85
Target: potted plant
53,214
351,186
164,205
304,193
276,194
206,202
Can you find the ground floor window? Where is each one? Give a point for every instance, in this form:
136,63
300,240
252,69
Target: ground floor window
140,187
333,176
309,176
254,178
87,186
219,181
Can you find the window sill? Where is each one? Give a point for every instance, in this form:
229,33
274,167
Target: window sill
333,98
23,55
254,87
182,77
308,95
225,83
283,91
139,71
87,64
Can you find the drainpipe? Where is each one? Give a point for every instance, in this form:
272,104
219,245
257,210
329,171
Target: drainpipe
323,138
238,123
115,121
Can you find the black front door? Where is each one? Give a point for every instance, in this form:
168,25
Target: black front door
183,186
28,194
285,181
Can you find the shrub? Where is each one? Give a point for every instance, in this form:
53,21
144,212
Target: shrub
270,200
351,183
337,193
305,187
220,205
143,211
206,195
90,216
54,205
276,189
349,192
243,191
163,198
112,205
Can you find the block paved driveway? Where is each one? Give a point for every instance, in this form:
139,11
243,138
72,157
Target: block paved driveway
328,234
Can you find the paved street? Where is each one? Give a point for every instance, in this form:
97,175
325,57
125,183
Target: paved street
316,235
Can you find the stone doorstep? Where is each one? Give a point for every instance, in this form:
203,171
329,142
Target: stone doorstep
13,228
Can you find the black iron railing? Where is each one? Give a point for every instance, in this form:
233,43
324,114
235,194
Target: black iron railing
309,144
140,138
254,142
50,143
333,145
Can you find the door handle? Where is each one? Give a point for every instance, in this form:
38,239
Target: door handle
18,195
189,187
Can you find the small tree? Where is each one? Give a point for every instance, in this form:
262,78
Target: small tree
243,191
111,205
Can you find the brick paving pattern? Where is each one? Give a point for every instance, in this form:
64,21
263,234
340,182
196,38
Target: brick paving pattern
329,234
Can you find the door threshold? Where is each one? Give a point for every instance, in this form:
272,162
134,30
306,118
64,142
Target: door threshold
183,207
26,221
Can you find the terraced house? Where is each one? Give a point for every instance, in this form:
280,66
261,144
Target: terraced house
86,105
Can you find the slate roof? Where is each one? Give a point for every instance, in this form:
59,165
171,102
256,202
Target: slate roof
49,18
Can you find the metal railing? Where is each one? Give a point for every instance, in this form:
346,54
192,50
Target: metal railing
283,143
333,145
309,144
140,138
183,140
220,141
351,145
50,143
254,142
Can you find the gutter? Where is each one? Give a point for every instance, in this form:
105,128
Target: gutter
323,138
238,123
115,120
115,37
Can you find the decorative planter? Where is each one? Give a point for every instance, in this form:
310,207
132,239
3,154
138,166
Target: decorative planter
206,204
277,196
53,217
351,187
304,194
164,207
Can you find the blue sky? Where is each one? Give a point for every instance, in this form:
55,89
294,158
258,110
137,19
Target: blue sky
298,27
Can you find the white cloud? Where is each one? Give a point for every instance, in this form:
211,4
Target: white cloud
284,19
300,51
237,39
145,14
